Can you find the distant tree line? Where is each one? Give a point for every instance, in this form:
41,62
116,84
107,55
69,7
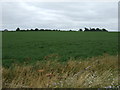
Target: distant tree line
36,29
81,30
94,29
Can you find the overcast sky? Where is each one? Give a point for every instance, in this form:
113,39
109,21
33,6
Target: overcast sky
60,15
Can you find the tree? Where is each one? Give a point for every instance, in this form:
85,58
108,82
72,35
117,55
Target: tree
92,29
36,29
97,29
104,30
80,30
31,30
18,29
5,30
86,29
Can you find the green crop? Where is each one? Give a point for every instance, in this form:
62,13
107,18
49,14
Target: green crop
29,47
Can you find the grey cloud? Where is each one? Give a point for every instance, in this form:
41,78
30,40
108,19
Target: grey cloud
60,15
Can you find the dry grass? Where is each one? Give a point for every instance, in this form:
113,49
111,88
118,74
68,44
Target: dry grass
97,72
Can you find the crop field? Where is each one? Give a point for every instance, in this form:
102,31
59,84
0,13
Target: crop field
19,47
60,59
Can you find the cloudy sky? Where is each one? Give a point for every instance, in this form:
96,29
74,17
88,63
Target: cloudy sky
60,15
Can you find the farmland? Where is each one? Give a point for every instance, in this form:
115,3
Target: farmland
19,47
60,59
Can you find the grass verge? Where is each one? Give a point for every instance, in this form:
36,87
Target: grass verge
96,72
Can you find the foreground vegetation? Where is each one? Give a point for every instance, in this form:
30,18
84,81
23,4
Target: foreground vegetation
96,72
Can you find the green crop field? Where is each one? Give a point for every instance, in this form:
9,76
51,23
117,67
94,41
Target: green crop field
21,47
